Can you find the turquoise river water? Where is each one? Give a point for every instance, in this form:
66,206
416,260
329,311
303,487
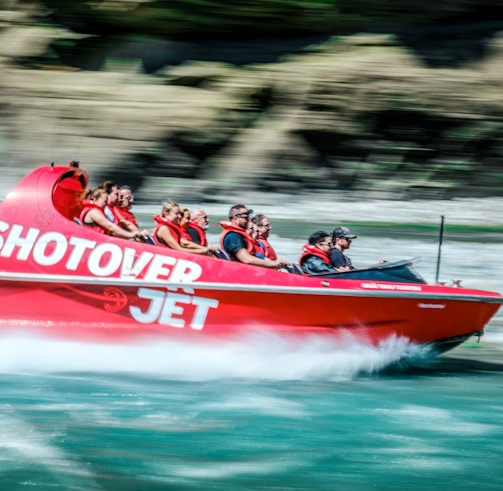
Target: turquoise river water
264,413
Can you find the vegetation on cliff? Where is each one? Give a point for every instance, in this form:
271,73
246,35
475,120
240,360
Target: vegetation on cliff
397,99
203,19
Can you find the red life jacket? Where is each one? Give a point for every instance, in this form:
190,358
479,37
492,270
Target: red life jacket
185,234
112,210
175,230
124,213
258,249
311,250
227,228
202,234
269,252
88,206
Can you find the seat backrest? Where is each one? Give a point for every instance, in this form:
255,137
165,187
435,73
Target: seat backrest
67,194
221,254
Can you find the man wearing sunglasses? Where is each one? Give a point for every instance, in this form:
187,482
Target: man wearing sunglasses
122,209
236,242
315,257
342,238
198,226
264,228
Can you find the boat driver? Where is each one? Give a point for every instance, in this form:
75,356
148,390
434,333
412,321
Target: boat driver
341,238
236,242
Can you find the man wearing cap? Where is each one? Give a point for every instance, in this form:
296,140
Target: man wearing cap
236,242
341,238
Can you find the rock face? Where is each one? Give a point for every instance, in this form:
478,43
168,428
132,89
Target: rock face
358,113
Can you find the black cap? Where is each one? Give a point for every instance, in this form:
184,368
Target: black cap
343,232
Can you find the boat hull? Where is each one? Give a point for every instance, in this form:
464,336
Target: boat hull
68,280
122,309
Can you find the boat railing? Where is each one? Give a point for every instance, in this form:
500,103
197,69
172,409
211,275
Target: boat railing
396,271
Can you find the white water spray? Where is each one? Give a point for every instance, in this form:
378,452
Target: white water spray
263,356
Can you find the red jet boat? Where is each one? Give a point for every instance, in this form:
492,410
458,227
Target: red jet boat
68,280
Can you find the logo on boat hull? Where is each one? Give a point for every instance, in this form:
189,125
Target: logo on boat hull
55,253
431,305
88,257
391,286
173,309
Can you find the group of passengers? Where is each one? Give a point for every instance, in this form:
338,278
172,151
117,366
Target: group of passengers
327,254
106,209
176,229
244,238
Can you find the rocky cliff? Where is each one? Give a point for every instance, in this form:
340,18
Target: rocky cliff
359,112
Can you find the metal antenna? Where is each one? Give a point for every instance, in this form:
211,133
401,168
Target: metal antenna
440,239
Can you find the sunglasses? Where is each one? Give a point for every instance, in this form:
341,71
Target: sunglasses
327,243
129,198
243,215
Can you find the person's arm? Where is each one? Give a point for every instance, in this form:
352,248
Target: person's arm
316,265
185,246
235,246
339,261
124,222
165,234
103,222
243,256
336,258
190,246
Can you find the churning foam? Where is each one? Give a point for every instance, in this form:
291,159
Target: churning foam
259,356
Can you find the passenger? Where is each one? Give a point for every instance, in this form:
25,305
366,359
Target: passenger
184,223
198,226
254,233
315,257
93,215
342,238
170,234
113,199
236,242
264,226
122,210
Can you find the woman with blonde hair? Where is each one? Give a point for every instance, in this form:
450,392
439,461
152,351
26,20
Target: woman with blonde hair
169,233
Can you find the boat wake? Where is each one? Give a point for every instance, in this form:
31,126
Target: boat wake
263,356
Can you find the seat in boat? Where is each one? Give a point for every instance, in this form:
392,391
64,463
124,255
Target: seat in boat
221,254
68,191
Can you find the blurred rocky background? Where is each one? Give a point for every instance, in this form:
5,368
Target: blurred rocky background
202,99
